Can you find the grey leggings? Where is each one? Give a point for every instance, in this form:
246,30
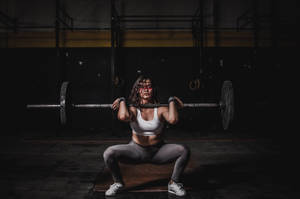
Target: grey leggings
132,153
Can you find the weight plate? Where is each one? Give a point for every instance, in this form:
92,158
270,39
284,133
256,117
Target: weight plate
63,104
227,104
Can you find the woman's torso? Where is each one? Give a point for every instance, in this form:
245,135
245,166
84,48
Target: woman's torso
147,127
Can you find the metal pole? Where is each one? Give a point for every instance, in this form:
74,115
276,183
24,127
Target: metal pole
57,26
112,49
255,23
216,22
201,35
112,56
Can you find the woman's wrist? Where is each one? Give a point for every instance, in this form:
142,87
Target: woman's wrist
171,99
122,99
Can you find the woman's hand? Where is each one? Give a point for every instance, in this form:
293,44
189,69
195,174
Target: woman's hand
116,104
179,103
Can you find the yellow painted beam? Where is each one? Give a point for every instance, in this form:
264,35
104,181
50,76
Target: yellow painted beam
134,38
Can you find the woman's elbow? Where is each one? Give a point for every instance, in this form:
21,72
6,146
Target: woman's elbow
122,117
173,120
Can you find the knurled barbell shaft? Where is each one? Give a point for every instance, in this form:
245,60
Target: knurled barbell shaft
92,105
191,105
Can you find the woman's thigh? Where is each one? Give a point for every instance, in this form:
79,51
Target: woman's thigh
168,153
126,153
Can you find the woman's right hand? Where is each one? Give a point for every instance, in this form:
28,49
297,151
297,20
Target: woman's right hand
116,104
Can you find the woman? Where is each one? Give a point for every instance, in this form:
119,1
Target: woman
147,144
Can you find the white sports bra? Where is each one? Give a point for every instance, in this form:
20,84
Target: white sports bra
144,127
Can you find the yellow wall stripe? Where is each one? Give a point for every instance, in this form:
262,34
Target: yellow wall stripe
134,38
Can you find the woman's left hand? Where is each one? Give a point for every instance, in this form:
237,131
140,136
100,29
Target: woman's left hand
179,103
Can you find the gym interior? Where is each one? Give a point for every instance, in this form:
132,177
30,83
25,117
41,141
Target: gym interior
62,60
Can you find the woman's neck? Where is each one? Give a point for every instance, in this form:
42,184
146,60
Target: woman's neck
144,101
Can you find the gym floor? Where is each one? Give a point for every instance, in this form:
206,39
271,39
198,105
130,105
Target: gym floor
235,165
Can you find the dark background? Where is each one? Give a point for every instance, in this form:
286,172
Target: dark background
255,158
261,92
262,75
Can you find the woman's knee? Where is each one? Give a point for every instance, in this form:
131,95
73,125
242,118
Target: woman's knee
108,154
185,150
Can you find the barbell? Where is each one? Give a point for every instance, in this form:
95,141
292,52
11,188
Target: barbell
226,104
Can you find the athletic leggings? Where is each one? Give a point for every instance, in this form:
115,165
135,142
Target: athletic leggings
133,153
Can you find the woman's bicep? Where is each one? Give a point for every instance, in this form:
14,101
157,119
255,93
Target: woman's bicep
132,113
164,112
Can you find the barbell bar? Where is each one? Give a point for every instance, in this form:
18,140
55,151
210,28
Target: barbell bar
226,104
191,105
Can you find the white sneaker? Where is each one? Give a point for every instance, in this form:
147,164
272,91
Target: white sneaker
114,189
176,189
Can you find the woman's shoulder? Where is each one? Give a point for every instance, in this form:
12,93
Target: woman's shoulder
132,113
133,109
162,109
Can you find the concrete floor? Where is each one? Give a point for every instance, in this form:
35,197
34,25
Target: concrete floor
234,166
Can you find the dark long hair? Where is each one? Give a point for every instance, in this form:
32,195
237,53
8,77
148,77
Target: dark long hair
134,97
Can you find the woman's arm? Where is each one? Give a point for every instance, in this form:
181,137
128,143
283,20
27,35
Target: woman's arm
124,114
170,114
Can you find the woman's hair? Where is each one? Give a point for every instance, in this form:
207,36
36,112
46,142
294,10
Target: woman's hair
134,97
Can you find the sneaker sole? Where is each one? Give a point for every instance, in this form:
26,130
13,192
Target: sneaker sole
174,194
118,193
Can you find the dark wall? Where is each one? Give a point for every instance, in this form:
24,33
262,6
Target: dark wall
95,13
260,80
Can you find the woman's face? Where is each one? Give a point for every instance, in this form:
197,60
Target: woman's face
145,89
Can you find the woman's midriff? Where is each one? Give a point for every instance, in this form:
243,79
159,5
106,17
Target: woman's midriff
147,140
